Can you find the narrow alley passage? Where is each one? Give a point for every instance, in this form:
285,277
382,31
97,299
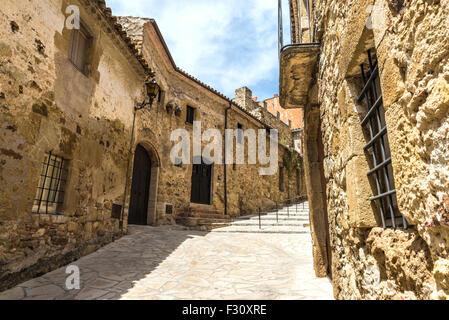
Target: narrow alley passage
238,262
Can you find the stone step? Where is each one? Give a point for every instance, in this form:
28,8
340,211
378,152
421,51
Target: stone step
288,213
274,217
198,221
269,218
203,211
204,215
256,223
286,216
292,210
227,230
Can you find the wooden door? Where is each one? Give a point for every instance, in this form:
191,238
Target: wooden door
140,189
201,183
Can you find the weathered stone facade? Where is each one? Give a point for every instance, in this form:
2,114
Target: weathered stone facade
48,105
411,41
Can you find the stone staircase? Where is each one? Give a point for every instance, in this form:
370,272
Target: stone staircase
202,217
290,219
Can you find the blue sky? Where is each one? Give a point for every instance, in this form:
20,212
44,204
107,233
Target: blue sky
225,43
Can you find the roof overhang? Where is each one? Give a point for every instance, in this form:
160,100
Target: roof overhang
297,67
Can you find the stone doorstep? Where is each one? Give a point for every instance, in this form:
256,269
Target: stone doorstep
196,221
203,211
205,215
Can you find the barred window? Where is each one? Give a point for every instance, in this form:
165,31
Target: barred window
50,191
378,146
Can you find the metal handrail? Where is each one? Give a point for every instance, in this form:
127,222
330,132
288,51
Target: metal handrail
284,203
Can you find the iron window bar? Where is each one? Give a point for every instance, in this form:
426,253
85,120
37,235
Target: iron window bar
374,121
50,190
380,166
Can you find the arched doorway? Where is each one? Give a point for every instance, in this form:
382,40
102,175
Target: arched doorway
140,189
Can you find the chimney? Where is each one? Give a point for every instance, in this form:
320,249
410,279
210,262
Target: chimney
276,95
244,97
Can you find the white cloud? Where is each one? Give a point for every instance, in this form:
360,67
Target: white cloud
225,43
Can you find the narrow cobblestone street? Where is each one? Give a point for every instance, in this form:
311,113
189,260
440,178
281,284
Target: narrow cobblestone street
239,262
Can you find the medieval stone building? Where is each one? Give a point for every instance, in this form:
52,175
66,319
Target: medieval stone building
373,79
68,183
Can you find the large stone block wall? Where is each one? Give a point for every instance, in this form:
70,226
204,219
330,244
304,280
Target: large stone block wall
47,105
412,43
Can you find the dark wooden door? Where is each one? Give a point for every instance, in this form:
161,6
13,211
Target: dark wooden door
140,189
201,183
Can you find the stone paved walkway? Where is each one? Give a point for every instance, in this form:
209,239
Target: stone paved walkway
237,262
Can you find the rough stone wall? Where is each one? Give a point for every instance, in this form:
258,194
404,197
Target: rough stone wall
412,43
46,104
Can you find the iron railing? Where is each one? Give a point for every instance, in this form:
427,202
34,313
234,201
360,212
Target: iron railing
280,205
378,146
295,22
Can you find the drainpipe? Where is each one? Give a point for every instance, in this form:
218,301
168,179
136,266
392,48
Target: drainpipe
127,172
224,162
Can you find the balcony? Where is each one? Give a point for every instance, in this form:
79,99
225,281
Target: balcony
297,60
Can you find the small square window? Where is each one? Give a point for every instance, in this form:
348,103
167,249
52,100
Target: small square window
50,191
80,43
190,117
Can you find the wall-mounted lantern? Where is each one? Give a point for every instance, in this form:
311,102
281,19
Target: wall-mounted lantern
152,91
